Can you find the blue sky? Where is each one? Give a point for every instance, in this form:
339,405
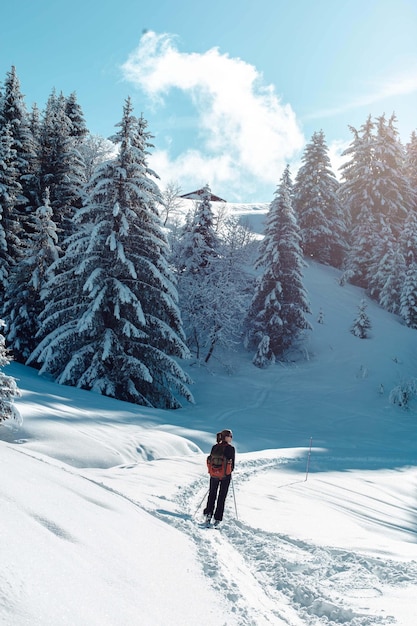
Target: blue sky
232,90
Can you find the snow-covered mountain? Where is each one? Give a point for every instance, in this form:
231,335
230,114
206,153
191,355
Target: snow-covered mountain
101,501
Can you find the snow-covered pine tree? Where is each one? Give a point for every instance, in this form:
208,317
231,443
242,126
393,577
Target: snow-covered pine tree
317,205
10,190
408,299
14,113
111,322
393,194
361,324
8,387
280,304
78,128
408,248
365,239
34,181
382,270
35,122
376,191
264,356
62,169
392,266
200,244
22,299
356,196
408,238
411,163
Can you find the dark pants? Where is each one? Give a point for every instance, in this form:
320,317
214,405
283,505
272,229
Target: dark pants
222,487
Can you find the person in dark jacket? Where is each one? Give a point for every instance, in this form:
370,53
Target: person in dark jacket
220,486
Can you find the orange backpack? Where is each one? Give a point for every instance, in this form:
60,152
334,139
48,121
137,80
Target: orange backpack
218,465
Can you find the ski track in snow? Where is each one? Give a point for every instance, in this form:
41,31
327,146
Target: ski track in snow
274,579
271,578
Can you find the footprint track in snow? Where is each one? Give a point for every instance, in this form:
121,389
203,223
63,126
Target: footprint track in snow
287,580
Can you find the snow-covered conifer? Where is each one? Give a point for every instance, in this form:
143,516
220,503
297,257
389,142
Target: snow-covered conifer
411,163
22,299
61,167
280,303
199,243
111,322
393,196
23,143
392,267
408,299
380,258
408,238
78,128
10,189
35,122
264,356
377,193
356,197
365,239
8,387
361,324
408,248
317,205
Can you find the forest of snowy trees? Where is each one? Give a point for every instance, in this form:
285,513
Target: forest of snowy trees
100,289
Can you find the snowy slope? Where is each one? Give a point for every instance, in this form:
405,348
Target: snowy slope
101,500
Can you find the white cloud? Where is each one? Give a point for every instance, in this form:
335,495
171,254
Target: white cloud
248,134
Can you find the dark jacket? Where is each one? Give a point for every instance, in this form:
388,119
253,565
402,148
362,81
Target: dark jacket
229,452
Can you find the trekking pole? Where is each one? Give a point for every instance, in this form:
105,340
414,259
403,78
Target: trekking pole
308,459
202,500
234,497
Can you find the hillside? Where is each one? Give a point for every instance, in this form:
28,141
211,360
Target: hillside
101,500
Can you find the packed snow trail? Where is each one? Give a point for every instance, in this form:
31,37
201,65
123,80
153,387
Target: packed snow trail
229,575
270,578
276,579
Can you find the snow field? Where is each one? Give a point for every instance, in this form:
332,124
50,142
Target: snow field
101,501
